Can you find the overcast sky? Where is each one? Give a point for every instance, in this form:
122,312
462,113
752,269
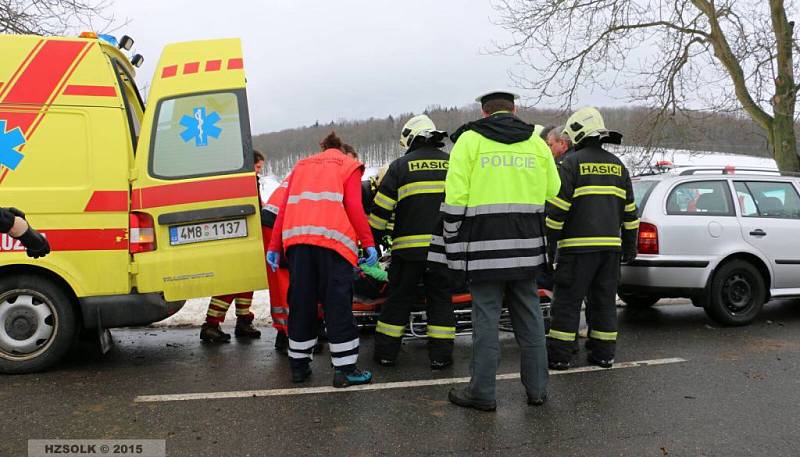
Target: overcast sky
326,60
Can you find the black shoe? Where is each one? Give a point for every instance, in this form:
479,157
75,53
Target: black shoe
385,362
352,378
213,334
301,375
246,330
461,397
603,363
537,401
282,343
559,366
437,365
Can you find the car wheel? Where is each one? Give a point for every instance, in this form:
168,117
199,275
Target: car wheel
38,324
638,300
737,294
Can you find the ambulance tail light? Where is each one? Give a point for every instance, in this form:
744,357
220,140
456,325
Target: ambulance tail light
648,239
142,233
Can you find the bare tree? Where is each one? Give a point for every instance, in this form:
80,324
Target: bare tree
731,56
54,17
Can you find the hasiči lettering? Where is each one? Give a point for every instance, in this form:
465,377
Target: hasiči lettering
420,165
601,169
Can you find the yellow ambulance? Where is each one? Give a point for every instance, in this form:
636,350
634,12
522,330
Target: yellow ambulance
143,208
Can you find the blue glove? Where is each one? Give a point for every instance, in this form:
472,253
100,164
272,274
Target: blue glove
372,257
273,258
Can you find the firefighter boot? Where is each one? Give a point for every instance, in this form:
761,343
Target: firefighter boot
245,329
213,334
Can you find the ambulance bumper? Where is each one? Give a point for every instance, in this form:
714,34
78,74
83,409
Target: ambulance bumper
127,310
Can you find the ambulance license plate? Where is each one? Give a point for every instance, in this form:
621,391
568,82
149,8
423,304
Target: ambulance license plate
207,231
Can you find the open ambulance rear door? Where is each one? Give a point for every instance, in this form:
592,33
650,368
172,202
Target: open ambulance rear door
194,224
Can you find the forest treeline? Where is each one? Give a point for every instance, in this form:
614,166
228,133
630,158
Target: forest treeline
376,140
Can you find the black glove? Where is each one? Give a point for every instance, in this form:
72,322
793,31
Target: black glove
16,212
35,244
628,256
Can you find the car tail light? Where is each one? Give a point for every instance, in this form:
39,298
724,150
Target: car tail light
648,238
142,233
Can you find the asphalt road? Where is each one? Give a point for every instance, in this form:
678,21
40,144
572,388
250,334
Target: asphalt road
737,393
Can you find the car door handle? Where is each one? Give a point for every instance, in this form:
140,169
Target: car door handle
758,232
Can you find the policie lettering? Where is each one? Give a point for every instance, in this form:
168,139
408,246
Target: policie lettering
422,165
508,161
601,169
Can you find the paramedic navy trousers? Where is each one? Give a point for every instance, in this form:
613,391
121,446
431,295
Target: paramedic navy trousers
404,292
320,275
593,275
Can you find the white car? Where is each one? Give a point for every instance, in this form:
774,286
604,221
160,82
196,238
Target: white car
728,239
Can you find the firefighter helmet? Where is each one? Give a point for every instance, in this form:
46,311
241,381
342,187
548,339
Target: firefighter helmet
421,126
588,122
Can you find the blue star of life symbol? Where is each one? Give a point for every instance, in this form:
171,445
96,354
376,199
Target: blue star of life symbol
10,157
200,126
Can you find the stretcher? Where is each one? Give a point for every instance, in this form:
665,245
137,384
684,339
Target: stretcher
371,294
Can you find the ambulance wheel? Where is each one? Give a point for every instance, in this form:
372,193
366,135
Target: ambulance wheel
38,324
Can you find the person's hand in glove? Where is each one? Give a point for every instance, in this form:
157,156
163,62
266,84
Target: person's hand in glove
628,256
372,257
273,259
35,243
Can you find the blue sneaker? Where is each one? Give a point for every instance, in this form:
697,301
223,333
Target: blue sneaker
353,378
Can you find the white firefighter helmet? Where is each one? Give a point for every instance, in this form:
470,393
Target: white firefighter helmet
420,125
588,122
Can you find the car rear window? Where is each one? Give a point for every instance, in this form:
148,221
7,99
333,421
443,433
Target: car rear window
641,192
701,198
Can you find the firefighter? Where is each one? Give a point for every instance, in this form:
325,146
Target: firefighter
218,307
412,190
319,224
593,224
500,174
13,222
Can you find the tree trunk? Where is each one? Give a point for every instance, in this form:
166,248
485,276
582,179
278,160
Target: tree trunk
783,143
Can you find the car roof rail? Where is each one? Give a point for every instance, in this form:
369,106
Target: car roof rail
729,170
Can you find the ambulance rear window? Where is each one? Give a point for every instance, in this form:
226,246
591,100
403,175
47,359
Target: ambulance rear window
199,135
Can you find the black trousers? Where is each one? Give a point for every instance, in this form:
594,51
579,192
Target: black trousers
320,275
404,292
593,275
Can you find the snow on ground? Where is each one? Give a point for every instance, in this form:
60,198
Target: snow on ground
194,311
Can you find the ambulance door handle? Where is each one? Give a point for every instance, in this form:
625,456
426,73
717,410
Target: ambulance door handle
198,215
758,232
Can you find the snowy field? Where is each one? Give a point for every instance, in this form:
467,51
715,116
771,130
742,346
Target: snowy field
193,313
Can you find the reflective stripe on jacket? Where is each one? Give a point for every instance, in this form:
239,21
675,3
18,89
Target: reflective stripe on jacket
595,209
315,212
411,193
493,214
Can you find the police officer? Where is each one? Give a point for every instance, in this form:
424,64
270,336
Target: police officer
500,174
13,222
593,223
413,190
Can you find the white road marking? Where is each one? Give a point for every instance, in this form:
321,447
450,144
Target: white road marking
381,386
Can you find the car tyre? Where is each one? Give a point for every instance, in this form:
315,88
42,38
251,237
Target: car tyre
737,294
38,324
638,300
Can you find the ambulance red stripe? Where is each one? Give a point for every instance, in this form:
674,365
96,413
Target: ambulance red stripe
114,239
22,66
39,80
107,200
193,192
91,91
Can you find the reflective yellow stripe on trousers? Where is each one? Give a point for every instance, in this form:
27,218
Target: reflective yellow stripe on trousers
411,241
395,331
444,333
